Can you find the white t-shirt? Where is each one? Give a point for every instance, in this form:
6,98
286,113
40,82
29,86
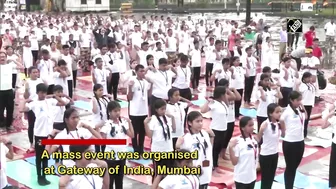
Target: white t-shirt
118,133
294,124
68,60
59,111
178,111
219,113
80,133
194,142
253,65
222,74
180,182
311,62
308,92
101,76
330,29
289,83
247,153
270,139
140,97
3,177
195,58
162,82
101,115
182,79
86,181
62,81
159,143
332,121
270,98
46,68
43,110
238,81
32,87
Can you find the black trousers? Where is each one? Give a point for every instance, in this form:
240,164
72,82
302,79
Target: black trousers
100,148
35,56
113,85
174,143
309,111
268,166
218,144
196,77
228,134
186,93
203,186
163,162
245,186
116,179
41,163
249,83
293,152
332,166
74,77
238,103
70,88
285,91
208,73
6,103
31,122
14,78
139,133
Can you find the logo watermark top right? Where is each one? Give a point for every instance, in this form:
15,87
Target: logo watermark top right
294,25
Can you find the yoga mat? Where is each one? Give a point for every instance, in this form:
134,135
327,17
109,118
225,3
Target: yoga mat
145,179
248,112
316,168
145,162
199,102
319,142
223,178
304,181
123,104
82,105
31,160
28,175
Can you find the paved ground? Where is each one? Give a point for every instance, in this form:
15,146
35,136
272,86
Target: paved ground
309,165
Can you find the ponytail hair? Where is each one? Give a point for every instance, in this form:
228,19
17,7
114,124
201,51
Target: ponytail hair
112,105
159,103
270,109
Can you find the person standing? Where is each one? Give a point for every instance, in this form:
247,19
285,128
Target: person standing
6,92
330,31
292,119
309,36
68,59
283,41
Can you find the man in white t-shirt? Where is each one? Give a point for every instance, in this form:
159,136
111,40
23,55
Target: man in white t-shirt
311,64
6,151
330,31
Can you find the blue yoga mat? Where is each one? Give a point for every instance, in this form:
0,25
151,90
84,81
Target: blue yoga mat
145,162
83,105
248,112
199,102
31,160
25,173
123,104
304,181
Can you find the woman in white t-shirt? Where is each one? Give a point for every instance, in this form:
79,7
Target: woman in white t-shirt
293,144
85,181
244,155
221,71
176,108
179,181
330,120
159,127
270,134
219,112
99,105
308,90
196,66
266,95
200,140
116,128
231,117
27,56
237,81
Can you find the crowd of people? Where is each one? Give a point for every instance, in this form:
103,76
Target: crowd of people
158,62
